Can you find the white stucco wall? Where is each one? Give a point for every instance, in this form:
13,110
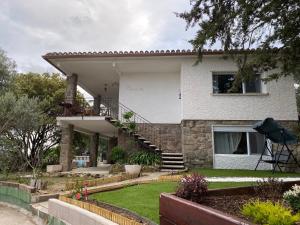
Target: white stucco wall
155,96
198,102
247,162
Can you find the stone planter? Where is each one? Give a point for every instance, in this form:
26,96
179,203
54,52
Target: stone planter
133,169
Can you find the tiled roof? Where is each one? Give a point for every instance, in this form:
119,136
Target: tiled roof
134,53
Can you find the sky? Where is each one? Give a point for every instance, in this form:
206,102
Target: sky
31,28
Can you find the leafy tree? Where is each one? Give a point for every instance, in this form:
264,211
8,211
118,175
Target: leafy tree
21,113
273,26
7,70
48,92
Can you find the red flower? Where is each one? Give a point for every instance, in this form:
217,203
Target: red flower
78,196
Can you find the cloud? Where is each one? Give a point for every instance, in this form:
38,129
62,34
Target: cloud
31,28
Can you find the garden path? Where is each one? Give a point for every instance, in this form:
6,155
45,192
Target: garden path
12,215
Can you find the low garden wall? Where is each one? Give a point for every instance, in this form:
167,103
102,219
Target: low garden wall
16,194
23,196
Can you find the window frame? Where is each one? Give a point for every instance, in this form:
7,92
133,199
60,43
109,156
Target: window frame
220,73
234,128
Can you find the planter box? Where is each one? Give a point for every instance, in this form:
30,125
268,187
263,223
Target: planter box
54,168
177,211
133,169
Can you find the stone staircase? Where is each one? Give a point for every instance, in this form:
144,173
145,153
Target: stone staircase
172,161
148,136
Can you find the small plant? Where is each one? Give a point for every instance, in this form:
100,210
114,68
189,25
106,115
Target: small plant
118,155
144,158
270,188
192,187
131,125
77,192
269,213
292,197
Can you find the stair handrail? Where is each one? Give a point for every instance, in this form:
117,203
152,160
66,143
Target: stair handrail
144,126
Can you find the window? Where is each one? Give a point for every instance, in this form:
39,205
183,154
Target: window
237,140
223,83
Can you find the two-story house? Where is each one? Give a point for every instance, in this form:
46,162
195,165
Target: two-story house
180,107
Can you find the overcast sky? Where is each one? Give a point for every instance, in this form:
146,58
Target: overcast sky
31,28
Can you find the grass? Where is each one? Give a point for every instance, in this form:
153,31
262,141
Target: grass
241,173
144,199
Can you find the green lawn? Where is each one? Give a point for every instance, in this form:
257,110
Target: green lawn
144,199
240,173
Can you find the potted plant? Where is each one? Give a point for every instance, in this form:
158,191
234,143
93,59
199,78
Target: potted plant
139,159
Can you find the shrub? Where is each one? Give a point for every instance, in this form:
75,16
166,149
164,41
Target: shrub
144,158
192,187
270,188
292,197
118,155
269,213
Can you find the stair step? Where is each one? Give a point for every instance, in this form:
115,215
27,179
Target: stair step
172,167
142,138
173,162
172,157
152,146
147,142
172,154
113,120
172,170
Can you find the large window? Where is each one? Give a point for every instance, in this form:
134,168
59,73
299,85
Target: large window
223,83
237,140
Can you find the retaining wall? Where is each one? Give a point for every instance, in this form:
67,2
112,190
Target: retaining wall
16,194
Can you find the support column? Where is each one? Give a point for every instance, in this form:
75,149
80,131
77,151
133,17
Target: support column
66,147
66,143
94,144
112,142
96,106
70,94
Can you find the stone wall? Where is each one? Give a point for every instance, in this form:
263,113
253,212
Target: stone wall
197,143
169,138
66,147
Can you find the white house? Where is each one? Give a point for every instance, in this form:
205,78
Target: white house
187,107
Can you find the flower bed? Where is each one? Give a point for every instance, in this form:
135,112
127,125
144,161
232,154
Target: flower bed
99,181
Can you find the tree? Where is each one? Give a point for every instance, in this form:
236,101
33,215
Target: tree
21,113
48,92
272,26
7,70
15,115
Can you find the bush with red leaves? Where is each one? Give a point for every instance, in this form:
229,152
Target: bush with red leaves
192,187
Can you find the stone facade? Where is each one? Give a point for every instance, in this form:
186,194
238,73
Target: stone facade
66,147
197,143
169,137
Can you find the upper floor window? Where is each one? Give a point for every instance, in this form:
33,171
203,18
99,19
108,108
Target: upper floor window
223,83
